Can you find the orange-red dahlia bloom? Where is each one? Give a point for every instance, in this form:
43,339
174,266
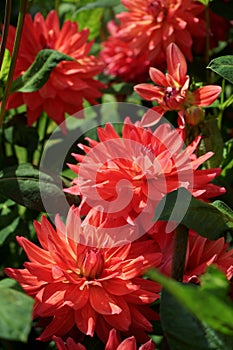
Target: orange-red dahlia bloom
78,284
151,25
201,252
121,59
113,343
172,90
127,176
70,81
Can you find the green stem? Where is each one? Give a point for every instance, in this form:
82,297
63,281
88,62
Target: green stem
44,139
57,4
207,50
179,252
165,345
221,108
6,24
227,103
19,29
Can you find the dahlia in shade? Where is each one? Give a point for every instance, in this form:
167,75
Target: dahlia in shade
201,252
129,175
113,343
121,59
84,286
151,25
172,91
70,344
70,82
219,31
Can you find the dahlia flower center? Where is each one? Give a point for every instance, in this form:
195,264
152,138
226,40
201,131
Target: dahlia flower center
148,151
156,10
170,96
91,263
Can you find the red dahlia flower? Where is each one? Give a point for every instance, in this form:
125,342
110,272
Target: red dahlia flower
151,25
172,90
83,286
201,252
127,176
70,82
113,343
122,60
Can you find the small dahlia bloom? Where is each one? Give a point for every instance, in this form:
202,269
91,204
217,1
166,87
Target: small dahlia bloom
70,82
80,285
201,253
172,90
113,343
151,25
129,175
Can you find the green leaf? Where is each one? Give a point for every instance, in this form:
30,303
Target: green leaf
100,3
223,66
187,332
24,183
223,207
204,218
90,19
15,315
8,230
205,303
5,66
8,283
38,73
205,2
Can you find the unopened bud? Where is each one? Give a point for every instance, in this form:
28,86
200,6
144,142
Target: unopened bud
194,115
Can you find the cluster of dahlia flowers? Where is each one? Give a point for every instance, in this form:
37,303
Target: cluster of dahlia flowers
87,275
140,38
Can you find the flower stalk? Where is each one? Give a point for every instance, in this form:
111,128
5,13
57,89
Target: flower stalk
19,29
56,6
207,57
5,29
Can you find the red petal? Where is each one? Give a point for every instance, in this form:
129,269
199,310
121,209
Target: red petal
116,286
206,95
77,297
176,63
113,340
102,302
86,320
148,346
34,253
51,297
158,77
128,344
152,116
120,321
61,324
149,92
